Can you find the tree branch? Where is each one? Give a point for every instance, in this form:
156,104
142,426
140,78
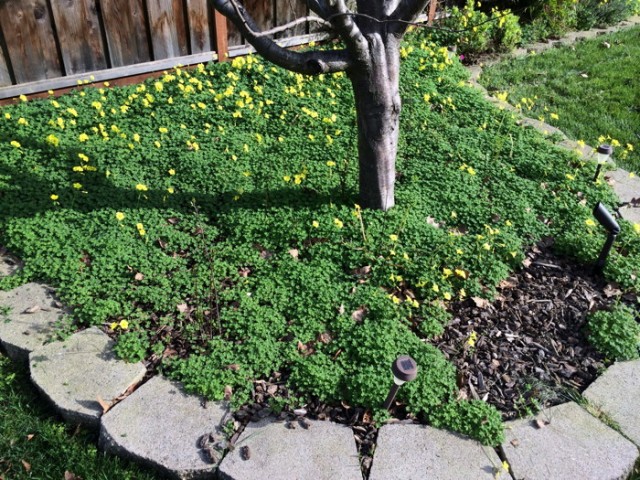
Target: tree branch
408,10
342,20
318,6
310,63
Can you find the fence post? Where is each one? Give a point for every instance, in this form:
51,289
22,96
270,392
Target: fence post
433,5
222,36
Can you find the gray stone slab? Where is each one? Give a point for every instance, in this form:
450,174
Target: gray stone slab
420,452
626,186
22,332
324,451
574,445
161,426
73,374
8,265
617,393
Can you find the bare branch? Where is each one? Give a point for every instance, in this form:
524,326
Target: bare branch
408,10
342,20
289,25
311,63
318,6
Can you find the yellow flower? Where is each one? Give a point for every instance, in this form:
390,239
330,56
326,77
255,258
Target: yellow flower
141,187
23,98
471,341
338,222
78,168
629,147
119,216
141,229
461,273
77,186
172,172
554,116
435,288
53,140
124,324
636,228
486,246
15,144
570,177
447,272
589,222
113,326
83,157
136,137
287,178
163,130
446,295
393,238
170,190
331,163
54,197
315,224
83,137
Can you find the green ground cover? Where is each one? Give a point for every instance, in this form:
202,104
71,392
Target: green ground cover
209,219
34,443
588,90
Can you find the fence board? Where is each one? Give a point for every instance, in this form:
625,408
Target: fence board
126,31
5,75
287,11
26,26
199,26
168,28
78,30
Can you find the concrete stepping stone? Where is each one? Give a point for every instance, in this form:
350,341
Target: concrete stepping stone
573,445
20,331
8,265
269,449
627,188
76,373
617,393
421,452
163,427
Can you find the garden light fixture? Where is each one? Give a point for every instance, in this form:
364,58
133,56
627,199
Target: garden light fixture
604,151
605,219
404,369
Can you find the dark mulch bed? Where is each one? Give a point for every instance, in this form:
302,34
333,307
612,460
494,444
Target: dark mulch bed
532,347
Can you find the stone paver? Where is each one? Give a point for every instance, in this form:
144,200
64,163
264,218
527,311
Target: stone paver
22,332
161,426
627,187
419,452
8,265
324,451
617,393
574,445
73,374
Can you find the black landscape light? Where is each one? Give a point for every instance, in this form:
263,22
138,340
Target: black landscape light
611,226
604,152
404,369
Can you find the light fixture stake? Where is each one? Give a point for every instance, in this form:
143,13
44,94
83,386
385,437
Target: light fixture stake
404,369
604,151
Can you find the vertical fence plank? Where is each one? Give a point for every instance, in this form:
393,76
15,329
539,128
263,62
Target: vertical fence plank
126,32
222,36
433,6
31,45
78,30
262,12
168,32
5,75
287,11
199,26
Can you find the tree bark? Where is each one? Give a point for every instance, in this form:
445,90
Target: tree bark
377,97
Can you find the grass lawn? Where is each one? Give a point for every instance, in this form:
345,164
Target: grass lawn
592,88
209,220
34,443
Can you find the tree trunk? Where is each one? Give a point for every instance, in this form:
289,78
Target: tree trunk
377,97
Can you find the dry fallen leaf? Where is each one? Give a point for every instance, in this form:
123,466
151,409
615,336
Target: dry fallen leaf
526,262
294,252
234,366
183,308
480,302
34,309
26,465
432,221
324,338
358,315
30,436
612,291
228,392
515,442
105,406
71,476
541,423
138,276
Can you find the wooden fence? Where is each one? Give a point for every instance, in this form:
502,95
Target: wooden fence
51,44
